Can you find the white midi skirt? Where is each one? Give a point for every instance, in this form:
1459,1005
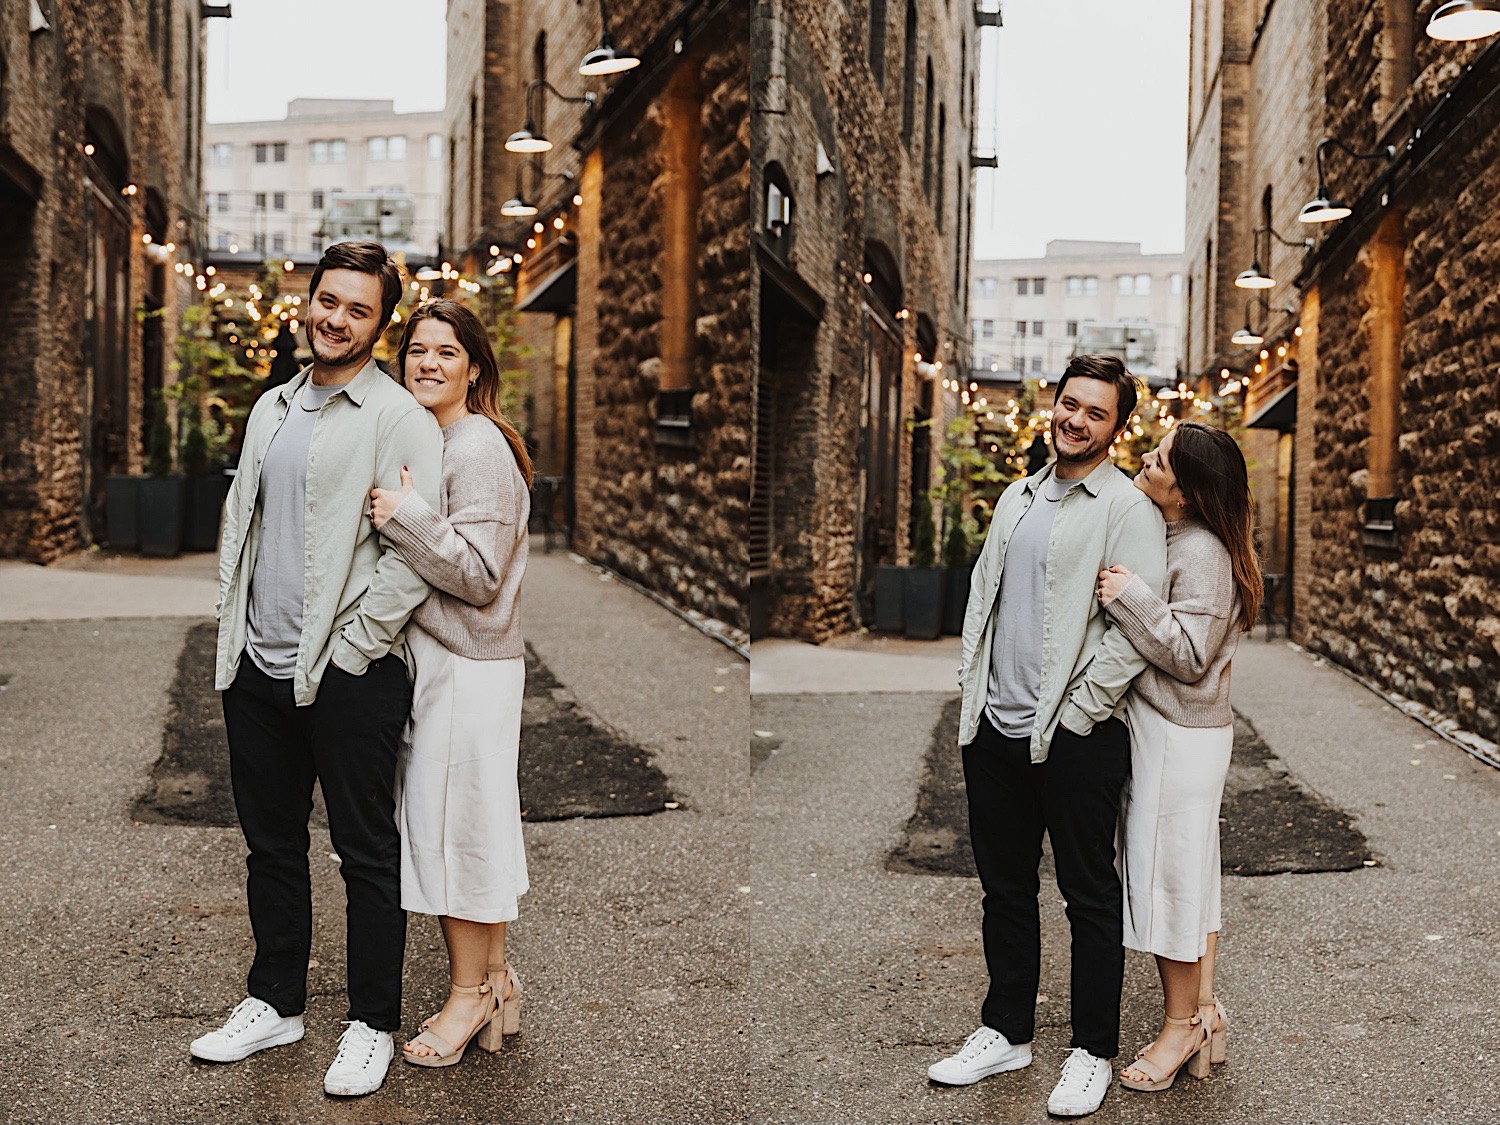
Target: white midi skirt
1169,850
457,802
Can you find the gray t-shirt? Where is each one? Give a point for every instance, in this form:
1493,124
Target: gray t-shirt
1015,684
275,612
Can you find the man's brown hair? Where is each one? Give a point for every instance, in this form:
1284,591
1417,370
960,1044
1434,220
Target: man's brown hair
363,257
1107,369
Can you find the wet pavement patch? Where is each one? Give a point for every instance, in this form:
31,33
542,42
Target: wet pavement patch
1271,824
571,764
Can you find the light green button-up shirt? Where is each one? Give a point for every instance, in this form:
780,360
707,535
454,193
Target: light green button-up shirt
357,589
1087,663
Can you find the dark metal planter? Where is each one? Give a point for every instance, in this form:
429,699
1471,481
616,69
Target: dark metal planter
163,504
204,511
956,598
923,602
122,524
890,593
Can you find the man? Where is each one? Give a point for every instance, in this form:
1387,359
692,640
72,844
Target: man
1043,671
311,606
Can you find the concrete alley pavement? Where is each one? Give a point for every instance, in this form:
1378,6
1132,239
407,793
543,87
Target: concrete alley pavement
1357,996
125,940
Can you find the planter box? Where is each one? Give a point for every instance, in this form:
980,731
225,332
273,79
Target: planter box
923,602
122,522
204,511
163,503
890,593
956,598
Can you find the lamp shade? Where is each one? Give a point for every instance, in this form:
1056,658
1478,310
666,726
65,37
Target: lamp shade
604,59
525,140
517,209
1246,337
1254,278
1324,210
1460,20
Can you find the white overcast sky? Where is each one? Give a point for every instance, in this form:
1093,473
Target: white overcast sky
1089,102
1087,98
271,51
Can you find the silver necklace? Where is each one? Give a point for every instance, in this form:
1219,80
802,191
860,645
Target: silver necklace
1047,491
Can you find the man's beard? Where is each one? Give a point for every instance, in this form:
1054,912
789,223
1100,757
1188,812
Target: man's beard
1090,452
345,355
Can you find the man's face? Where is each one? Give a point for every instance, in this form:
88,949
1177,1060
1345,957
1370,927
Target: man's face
1084,420
343,317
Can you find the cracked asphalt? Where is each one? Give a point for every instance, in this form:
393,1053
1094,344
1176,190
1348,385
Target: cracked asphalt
1366,995
124,940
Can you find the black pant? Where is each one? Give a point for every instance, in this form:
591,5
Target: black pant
1074,796
347,739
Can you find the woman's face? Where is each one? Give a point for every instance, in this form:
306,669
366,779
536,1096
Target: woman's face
438,370
1157,480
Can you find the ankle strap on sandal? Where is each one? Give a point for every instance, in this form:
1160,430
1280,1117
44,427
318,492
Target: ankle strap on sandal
479,989
1190,1021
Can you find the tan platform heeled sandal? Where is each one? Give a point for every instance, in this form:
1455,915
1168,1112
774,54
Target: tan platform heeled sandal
1216,1019
446,1054
506,984
1195,1060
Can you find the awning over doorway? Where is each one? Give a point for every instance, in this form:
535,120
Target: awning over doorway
555,293
1278,414
18,179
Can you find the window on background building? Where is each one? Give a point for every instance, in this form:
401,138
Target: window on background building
1038,286
990,285
338,152
221,240
1023,286
1020,328
278,243
395,148
1073,286
375,148
278,152
1036,365
261,152
221,154
1143,285
941,166
987,329
318,152
1036,327
434,146
1072,328
877,41
260,201
909,77
317,201
1174,284
927,133
223,198
258,243
278,201
1091,287
1125,284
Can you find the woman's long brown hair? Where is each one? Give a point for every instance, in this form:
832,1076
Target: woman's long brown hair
484,395
1211,473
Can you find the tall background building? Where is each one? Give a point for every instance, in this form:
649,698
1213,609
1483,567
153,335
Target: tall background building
1370,361
101,109
271,188
862,158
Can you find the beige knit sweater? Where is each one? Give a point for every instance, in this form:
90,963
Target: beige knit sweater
473,550
1190,637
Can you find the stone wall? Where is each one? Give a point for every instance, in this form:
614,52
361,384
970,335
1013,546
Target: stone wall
94,54
814,84
1420,617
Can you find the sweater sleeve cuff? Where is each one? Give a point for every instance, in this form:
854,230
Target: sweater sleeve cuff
1136,608
414,524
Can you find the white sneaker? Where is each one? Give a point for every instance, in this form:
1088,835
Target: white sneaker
984,1053
253,1026
1082,1087
359,1067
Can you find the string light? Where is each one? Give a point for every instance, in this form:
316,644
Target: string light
557,223
538,227
577,201
88,150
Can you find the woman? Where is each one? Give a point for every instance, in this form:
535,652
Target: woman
458,806
1181,733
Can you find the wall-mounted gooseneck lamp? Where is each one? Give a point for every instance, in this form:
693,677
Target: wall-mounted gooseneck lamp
529,138
519,206
606,58
1247,336
1257,278
1462,20
1326,209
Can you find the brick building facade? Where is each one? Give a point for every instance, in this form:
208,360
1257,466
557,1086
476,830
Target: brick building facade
632,274
862,127
100,116
1376,368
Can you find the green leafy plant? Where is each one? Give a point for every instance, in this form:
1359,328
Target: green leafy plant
923,537
159,448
